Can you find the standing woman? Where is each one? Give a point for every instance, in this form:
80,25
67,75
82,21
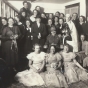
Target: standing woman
33,17
28,38
21,39
4,24
10,35
49,25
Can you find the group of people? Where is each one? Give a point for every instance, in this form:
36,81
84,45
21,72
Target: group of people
55,45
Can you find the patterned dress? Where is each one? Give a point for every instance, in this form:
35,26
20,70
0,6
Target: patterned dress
72,71
53,77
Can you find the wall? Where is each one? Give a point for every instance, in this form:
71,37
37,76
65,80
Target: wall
48,7
82,6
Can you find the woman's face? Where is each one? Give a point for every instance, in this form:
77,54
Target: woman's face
35,12
61,16
61,21
66,49
28,23
52,50
53,33
50,22
37,49
10,22
57,14
50,16
81,19
4,22
56,19
82,37
43,15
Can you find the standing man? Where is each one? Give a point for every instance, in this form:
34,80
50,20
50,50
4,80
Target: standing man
73,33
26,9
39,32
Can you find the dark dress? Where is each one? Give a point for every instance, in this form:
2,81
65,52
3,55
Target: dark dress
23,20
35,32
10,54
85,29
2,42
21,40
80,29
28,42
48,28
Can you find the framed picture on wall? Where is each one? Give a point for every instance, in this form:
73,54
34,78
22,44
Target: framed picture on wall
74,8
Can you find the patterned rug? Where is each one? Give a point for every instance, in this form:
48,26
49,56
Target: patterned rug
80,84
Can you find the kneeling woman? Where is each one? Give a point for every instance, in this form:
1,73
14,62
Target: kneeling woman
73,70
53,76
32,77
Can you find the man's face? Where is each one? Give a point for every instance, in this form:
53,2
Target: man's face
74,16
38,20
38,8
25,5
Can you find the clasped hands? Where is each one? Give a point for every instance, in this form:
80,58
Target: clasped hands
14,37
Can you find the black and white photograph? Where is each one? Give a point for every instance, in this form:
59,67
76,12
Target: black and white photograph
43,43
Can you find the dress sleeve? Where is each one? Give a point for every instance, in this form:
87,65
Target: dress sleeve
29,56
59,57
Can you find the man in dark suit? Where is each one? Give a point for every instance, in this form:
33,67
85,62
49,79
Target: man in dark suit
26,9
39,32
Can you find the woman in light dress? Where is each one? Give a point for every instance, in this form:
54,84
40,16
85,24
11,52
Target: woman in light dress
32,77
73,70
53,75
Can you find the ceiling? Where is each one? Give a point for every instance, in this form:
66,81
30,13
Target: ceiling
53,1
45,1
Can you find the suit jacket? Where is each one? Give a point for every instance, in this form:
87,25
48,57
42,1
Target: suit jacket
35,32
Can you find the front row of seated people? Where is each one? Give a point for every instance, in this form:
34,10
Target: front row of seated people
46,68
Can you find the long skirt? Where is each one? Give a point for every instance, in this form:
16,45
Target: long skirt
55,79
74,74
29,78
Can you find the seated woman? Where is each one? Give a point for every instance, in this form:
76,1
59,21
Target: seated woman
83,50
53,75
73,70
32,77
53,38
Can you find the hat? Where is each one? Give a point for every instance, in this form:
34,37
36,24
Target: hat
53,28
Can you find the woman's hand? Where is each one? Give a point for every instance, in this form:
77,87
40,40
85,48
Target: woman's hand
84,69
54,65
35,70
15,36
